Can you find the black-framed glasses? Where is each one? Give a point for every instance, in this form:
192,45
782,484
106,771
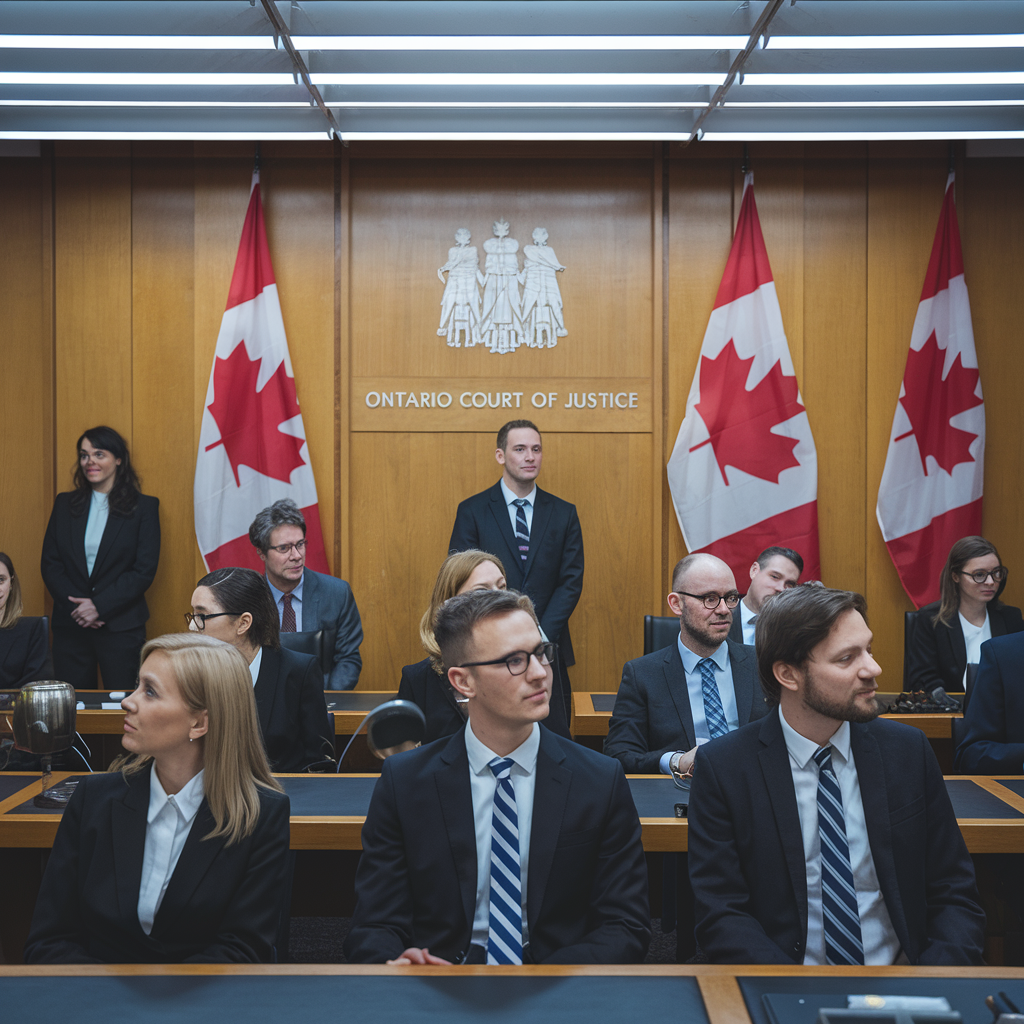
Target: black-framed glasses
198,619
712,601
518,661
998,574
285,549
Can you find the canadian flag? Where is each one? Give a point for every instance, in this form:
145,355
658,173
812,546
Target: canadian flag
744,471
252,445
931,489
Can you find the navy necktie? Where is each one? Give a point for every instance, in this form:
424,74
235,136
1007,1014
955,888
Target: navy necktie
505,909
714,714
522,530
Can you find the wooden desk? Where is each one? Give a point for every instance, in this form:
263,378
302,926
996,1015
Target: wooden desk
586,721
327,831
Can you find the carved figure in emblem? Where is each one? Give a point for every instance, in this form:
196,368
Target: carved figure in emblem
501,325
542,300
460,303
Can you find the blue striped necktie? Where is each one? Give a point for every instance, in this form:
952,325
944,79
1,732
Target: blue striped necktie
505,911
522,530
840,916
714,714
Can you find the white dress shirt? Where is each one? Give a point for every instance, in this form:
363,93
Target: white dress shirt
527,508
99,511
974,637
296,603
483,784
746,621
881,946
695,693
254,665
168,824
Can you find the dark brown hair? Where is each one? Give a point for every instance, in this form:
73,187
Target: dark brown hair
960,554
770,553
791,624
514,425
12,610
457,618
124,495
245,590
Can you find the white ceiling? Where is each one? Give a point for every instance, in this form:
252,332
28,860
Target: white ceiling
578,69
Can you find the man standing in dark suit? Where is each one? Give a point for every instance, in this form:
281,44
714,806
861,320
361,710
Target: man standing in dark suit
308,601
538,539
504,843
775,570
823,834
701,687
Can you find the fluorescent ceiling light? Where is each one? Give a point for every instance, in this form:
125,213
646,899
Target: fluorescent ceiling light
455,136
541,78
175,136
474,43
936,42
141,78
880,103
891,78
57,42
509,104
149,103
850,136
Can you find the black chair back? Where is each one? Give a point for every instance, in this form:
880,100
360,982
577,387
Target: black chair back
909,625
305,643
660,631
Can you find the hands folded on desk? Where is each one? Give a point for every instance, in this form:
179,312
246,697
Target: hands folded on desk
421,957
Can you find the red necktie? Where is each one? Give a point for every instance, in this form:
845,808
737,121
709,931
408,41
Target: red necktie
288,615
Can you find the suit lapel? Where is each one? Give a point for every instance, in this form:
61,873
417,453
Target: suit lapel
78,524
456,799
266,686
959,645
551,790
542,508
310,601
778,778
196,857
874,799
675,681
499,510
110,532
995,624
742,681
128,825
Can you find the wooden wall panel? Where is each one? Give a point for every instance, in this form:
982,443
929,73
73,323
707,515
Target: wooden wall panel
26,368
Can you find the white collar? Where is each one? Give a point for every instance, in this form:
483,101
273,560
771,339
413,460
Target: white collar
186,801
745,614
801,749
510,497
480,756
296,593
254,665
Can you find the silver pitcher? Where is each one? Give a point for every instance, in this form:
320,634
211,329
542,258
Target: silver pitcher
44,723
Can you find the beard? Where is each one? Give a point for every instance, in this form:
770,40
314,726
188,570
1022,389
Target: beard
840,711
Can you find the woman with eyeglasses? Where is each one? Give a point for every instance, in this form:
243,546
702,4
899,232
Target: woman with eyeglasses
100,554
425,683
178,853
235,605
949,632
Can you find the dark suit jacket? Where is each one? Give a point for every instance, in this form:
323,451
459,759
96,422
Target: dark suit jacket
993,741
587,882
125,563
425,688
328,604
24,652
736,629
652,710
223,903
553,573
746,853
938,654
297,730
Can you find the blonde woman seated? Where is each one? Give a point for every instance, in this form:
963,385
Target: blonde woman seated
425,683
180,855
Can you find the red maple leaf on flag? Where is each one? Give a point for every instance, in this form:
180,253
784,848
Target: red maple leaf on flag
740,421
248,419
931,402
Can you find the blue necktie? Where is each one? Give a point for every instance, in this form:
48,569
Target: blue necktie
505,911
522,530
841,918
714,714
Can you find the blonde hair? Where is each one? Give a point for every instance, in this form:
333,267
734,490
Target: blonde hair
212,676
451,578
13,608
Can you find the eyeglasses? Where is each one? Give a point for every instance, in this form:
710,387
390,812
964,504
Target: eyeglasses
198,619
518,661
998,574
285,549
712,601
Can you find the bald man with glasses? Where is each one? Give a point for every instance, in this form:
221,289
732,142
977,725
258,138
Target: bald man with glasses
701,687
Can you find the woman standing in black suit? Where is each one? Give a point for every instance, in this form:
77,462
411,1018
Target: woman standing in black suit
180,855
23,641
236,606
425,683
949,632
100,555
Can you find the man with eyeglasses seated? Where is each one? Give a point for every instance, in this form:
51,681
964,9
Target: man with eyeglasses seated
700,688
308,601
505,843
